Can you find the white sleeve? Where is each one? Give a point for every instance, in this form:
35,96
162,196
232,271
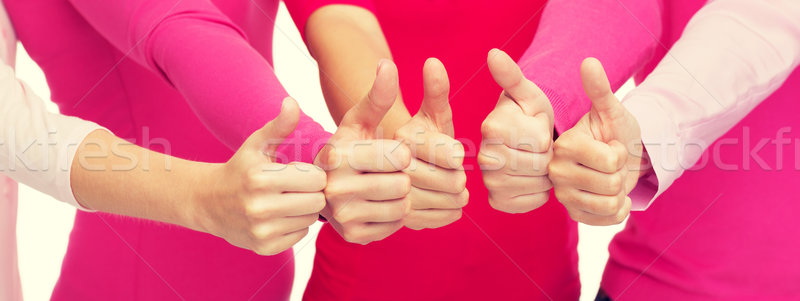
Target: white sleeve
37,147
732,55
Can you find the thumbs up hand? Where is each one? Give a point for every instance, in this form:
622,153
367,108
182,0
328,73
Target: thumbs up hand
517,140
257,204
438,182
366,190
597,162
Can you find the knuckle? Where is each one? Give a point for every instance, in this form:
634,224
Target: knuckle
265,233
454,215
336,192
460,183
543,143
333,158
403,184
612,162
560,145
462,199
492,127
253,178
402,155
500,203
615,182
563,196
603,207
555,173
575,215
318,202
490,181
317,178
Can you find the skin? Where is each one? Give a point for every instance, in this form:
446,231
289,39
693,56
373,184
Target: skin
517,140
250,201
367,188
598,162
347,41
438,180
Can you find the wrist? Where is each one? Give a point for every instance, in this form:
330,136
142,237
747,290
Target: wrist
202,190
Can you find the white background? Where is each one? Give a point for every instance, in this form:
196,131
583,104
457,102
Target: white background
44,224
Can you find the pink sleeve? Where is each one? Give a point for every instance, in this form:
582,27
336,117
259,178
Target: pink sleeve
302,9
228,84
622,34
732,55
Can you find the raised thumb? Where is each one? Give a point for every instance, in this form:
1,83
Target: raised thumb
597,88
268,138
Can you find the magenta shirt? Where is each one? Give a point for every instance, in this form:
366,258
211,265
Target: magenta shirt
719,121
185,78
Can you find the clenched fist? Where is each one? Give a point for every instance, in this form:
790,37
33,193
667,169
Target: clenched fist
438,182
597,162
367,189
517,140
261,205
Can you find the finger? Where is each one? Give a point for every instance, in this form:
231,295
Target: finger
513,161
283,226
428,176
519,204
286,204
268,138
599,220
428,199
362,211
370,186
569,174
592,203
366,233
589,152
505,124
432,147
598,89
367,114
281,243
501,184
292,177
431,218
525,93
373,155
436,101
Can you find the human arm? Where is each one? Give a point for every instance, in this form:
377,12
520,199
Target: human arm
568,32
346,39
732,55
208,60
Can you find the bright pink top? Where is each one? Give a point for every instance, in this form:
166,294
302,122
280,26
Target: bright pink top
483,256
176,77
719,122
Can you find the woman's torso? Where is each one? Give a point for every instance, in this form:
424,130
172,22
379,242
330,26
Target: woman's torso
487,255
120,258
725,230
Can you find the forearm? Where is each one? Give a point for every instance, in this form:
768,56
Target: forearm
113,175
621,34
207,58
347,42
732,55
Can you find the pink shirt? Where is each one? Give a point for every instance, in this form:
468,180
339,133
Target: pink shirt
719,122
188,78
